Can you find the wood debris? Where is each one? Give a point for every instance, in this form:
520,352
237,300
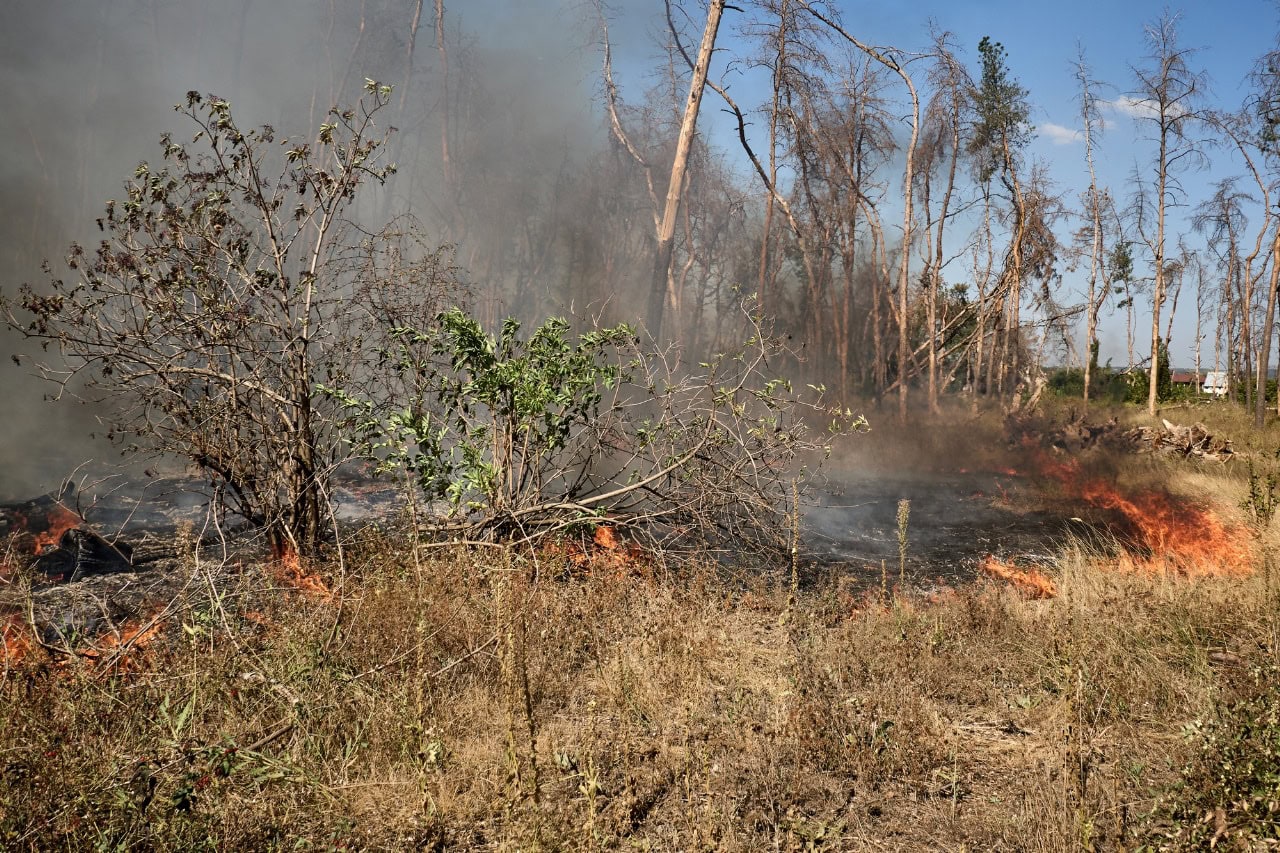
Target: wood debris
1185,441
1078,435
1074,436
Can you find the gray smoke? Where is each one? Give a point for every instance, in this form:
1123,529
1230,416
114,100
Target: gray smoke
88,88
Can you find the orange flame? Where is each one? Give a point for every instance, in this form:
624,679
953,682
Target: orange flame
1183,538
59,521
25,541
15,641
1030,582
291,569
132,636
606,551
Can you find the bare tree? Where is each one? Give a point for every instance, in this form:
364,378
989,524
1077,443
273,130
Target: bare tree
1002,129
896,63
1222,218
230,284
781,44
1203,295
1263,112
1095,201
945,115
1168,95
667,223
666,212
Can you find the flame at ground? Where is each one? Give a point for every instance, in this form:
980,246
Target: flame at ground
15,641
130,636
115,648
606,551
34,536
59,521
1030,582
291,569
1182,538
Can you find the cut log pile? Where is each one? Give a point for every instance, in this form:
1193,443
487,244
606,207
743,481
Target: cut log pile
1074,436
1184,441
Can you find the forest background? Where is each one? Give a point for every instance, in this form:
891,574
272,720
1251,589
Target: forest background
506,148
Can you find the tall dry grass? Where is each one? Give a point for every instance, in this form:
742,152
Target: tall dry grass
474,699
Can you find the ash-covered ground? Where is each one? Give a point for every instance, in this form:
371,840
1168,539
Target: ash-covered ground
954,520
966,498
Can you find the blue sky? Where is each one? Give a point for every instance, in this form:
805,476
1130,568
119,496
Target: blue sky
1042,40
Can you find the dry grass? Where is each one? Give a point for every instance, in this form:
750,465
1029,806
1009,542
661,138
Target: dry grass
466,700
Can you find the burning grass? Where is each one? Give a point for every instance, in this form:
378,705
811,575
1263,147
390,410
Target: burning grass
1030,582
294,572
33,530
15,641
464,700
460,699
1169,534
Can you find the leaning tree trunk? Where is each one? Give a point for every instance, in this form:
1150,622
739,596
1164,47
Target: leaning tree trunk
667,227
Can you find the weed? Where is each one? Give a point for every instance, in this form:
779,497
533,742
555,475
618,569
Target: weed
1228,794
904,515
1261,500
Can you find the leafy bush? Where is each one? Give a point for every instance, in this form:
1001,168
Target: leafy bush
1106,384
516,437
507,409
229,282
1067,382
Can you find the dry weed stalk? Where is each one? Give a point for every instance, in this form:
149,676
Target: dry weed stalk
904,515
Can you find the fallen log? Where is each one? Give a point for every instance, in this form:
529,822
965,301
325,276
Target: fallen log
81,553
64,547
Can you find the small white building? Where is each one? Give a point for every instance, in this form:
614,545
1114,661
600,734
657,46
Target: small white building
1215,383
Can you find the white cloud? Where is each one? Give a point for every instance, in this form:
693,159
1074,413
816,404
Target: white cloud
1131,106
1059,135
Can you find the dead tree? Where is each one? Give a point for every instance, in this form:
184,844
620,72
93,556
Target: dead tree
664,213
946,116
1095,201
1222,219
896,63
667,223
1168,94
1263,110
1002,129
230,283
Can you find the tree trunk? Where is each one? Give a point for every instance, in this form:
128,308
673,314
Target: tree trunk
667,226
1157,294
1268,329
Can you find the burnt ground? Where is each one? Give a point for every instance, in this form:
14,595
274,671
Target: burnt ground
956,519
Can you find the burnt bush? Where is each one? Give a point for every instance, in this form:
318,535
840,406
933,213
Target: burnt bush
231,280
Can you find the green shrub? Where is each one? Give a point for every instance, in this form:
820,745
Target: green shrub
1106,384
1067,382
517,437
1229,793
